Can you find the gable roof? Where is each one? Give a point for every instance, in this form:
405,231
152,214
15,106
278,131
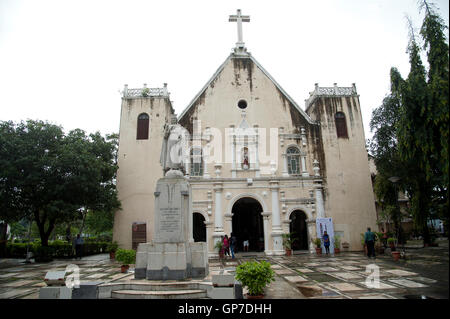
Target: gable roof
222,66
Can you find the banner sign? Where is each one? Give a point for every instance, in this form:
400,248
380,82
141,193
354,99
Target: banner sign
325,225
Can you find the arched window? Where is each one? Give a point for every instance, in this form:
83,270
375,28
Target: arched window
142,126
341,125
293,160
196,162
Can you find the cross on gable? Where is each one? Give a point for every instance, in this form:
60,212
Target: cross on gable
239,19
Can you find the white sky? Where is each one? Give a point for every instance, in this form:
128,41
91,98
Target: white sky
65,61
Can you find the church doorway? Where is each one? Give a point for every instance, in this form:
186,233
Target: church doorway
247,224
299,228
199,227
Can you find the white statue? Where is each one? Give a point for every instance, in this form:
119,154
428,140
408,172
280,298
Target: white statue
174,147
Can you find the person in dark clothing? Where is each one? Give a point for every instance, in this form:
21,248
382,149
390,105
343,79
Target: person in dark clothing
226,245
326,242
78,246
369,239
233,242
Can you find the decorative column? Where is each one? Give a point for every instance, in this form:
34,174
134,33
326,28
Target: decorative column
233,156
229,223
320,209
266,216
211,250
311,226
304,171
257,172
218,218
276,220
285,165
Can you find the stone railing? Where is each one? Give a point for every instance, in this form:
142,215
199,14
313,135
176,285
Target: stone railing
145,92
330,91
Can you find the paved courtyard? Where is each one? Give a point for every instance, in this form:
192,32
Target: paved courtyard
424,272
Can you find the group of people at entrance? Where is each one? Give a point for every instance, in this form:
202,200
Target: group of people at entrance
230,245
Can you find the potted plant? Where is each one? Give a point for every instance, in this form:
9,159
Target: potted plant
337,244
126,257
288,240
391,243
112,248
255,276
219,247
318,244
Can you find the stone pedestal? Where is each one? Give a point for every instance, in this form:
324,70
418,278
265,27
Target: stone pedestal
172,254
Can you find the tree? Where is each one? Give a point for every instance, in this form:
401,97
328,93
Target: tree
410,141
56,178
437,48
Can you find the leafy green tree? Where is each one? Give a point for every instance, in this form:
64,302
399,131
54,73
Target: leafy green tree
437,49
52,176
412,125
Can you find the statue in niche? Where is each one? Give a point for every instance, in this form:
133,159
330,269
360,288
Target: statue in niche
245,160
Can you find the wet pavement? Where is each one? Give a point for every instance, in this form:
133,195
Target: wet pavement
348,275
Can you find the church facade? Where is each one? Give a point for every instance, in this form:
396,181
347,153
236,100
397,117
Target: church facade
259,165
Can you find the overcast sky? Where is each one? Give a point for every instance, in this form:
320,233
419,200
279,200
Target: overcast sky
65,61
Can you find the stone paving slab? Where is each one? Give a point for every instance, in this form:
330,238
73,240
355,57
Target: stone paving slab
326,269
19,283
350,267
295,279
407,283
283,272
347,275
311,264
382,285
425,280
399,272
304,270
375,296
343,286
15,293
276,267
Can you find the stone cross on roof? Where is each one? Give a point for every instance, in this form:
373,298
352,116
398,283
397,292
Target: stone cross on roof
239,19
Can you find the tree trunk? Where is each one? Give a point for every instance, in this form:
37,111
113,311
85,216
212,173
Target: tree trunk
41,226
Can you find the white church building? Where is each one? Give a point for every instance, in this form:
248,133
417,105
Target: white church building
259,164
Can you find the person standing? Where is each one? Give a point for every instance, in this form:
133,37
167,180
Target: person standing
226,245
78,246
326,242
369,239
232,245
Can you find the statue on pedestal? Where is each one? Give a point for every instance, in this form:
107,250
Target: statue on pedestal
174,147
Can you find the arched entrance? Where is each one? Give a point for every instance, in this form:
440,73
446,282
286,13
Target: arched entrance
198,227
247,223
299,228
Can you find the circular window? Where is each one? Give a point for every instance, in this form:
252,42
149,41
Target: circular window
242,104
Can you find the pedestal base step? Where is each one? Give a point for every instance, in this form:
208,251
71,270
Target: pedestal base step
174,294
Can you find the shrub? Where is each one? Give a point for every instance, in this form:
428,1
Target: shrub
219,246
255,276
317,242
126,256
337,242
112,247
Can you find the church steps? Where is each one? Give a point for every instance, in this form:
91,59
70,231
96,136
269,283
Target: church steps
173,294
